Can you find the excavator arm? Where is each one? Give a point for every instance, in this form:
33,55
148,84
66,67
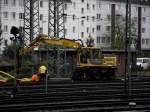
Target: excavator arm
44,39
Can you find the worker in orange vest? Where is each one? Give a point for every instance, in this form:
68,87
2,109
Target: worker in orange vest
34,77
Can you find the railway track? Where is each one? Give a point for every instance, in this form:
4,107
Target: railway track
71,96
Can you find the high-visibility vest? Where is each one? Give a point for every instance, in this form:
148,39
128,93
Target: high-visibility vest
42,69
34,77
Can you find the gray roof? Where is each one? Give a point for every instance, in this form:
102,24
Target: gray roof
140,2
65,0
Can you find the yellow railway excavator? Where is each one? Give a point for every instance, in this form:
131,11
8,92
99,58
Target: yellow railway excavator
90,63
6,77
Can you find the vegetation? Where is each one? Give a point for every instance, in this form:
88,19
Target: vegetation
8,52
13,48
1,39
0,28
90,41
119,40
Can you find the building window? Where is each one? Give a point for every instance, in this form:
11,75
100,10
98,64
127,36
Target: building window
21,2
108,17
14,2
73,17
93,7
144,19
147,41
74,5
143,30
103,39
87,18
65,31
21,15
41,30
13,15
98,16
135,19
144,9
143,41
98,27
41,3
109,6
88,6
118,7
87,29
82,10
93,30
65,19
65,7
108,28
82,34
5,2
82,0
41,17
73,29
136,9
108,39
98,39
5,28
5,15
21,29
93,18
99,5
5,42
82,22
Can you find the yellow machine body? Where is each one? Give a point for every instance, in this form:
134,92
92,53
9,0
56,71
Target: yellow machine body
89,59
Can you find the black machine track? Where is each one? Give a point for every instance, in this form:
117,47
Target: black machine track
84,96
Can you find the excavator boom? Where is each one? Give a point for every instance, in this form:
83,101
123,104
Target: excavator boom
44,39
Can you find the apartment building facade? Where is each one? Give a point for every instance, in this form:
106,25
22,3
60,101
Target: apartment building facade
104,8
85,18
11,15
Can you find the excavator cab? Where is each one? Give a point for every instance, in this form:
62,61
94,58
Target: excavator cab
93,65
90,56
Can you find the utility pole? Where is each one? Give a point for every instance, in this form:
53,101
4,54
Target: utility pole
127,49
0,26
0,18
138,45
113,7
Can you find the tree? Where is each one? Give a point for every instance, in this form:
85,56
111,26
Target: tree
1,39
8,52
90,41
119,40
14,30
0,27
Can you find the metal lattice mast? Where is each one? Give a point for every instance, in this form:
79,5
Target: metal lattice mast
0,18
0,26
56,18
56,29
128,47
31,19
31,22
